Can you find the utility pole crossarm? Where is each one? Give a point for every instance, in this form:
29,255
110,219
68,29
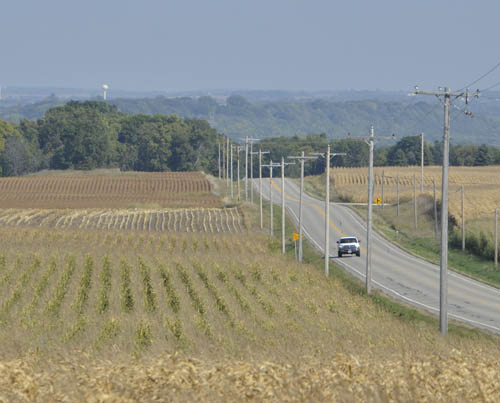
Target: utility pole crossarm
369,139
447,93
437,93
306,157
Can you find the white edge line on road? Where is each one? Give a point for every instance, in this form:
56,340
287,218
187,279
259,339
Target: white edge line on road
430,265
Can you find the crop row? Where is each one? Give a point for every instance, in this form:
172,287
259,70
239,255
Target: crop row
80,191
68,291
183,220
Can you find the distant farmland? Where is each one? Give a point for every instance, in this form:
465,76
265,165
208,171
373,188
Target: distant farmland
77,191
482,186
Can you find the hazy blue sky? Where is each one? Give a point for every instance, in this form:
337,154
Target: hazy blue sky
248,44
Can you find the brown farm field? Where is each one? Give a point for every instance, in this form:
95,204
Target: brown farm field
112,190
102,302
481,186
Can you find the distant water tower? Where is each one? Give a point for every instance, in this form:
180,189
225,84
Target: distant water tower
105,88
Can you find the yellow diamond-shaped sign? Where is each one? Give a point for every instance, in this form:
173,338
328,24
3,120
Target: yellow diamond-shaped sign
378,200
295,236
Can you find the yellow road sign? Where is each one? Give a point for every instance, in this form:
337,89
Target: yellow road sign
295,236
378,200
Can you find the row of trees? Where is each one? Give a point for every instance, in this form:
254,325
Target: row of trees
88,135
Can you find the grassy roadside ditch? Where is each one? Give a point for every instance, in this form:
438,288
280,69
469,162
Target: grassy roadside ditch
420,241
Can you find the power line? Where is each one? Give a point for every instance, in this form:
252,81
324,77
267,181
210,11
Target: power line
491,87
480,78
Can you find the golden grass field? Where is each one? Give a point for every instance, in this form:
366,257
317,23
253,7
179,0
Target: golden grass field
481,186
104,313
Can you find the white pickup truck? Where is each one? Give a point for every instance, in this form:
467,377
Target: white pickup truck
348,245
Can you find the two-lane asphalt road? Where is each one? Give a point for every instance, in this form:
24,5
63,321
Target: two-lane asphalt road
394,271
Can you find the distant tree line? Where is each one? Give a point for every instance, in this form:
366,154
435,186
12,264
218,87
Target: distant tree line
91,134
406,151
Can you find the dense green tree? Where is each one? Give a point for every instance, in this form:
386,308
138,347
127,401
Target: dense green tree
411,148
77,136
380,156
357,152
399,158
484,155
463,155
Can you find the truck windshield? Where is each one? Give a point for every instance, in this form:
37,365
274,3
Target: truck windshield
348,240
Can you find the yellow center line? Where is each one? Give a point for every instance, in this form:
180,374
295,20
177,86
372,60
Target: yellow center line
286,195
337,229
341,233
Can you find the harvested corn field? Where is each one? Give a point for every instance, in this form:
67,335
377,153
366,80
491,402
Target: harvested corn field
481,184
181,220
344,378
169,189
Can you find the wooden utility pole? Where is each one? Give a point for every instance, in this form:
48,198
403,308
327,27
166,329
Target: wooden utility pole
251,172
383,194
422,161
223,159
271,166
370,140
302,158
252,141
246,168
248,141
231,169
435,211
463,219
415,200
443,270
218,160
496,238
227,162
327,157
260,187
397,191
238,149
283,164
